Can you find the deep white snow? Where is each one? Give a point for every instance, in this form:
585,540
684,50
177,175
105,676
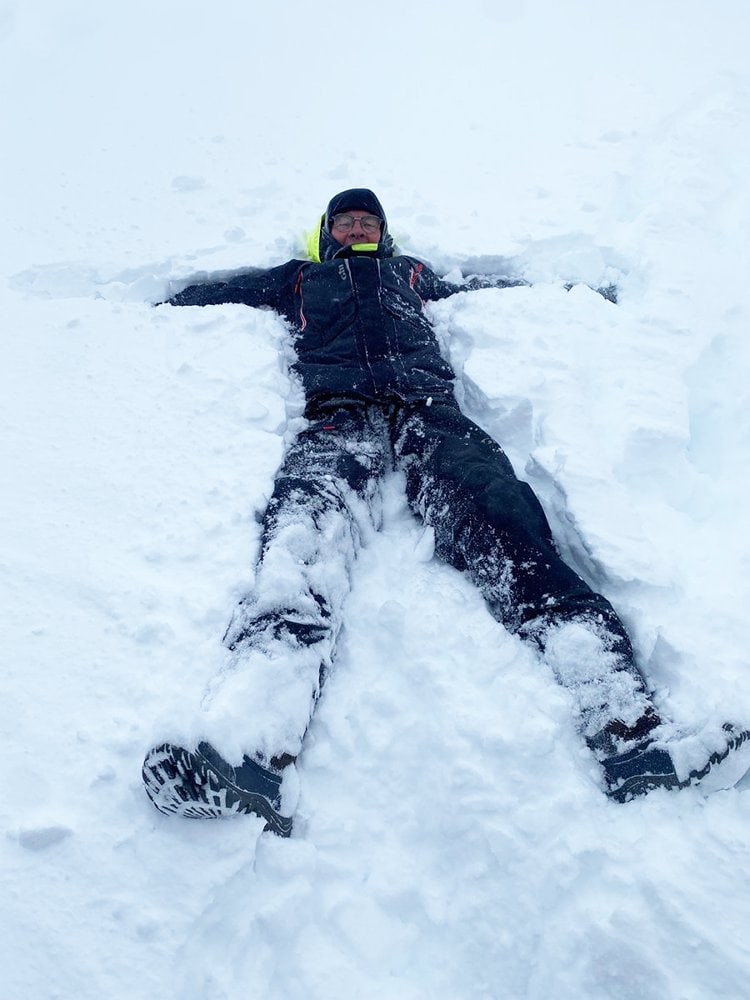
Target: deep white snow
452,840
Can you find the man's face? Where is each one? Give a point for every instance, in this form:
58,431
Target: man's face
355,226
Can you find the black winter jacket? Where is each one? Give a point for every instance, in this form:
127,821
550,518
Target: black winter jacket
359,324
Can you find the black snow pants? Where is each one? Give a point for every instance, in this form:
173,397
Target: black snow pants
486,522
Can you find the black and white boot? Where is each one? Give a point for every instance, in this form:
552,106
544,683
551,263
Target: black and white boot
200,784
712,759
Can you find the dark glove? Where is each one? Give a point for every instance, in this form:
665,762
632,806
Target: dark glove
608,292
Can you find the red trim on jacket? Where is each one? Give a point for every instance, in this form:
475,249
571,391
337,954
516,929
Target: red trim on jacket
298,291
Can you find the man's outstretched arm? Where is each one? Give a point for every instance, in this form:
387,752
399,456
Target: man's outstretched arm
256,287
433,287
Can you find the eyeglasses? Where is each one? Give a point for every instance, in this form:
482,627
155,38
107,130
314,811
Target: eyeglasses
345,221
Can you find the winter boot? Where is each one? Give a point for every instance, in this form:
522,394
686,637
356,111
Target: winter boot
200,784
712,759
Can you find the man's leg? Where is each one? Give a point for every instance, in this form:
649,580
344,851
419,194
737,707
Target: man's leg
283,634
491,525
323,501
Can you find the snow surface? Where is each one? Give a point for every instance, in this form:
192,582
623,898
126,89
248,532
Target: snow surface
452,840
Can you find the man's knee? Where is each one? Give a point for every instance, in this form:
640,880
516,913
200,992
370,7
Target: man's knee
301,501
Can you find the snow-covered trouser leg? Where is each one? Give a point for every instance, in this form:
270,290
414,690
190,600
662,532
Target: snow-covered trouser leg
491,525
283,634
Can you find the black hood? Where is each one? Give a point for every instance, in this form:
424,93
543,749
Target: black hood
344,201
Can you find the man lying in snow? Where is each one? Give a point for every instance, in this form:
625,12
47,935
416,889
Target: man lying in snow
379,397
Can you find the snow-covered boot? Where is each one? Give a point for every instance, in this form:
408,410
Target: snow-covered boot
200,784
712,759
